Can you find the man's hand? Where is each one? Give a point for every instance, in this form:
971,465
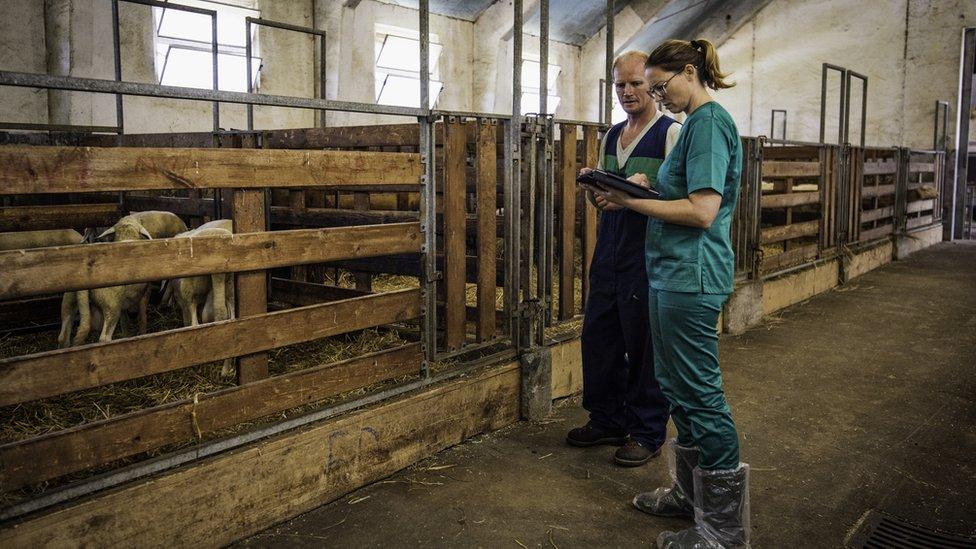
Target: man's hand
598,201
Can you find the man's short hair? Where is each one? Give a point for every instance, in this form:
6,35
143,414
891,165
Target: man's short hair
630,54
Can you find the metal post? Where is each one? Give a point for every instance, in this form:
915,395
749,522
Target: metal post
513,187
849,75
322,76
608,77
247,63
543,56
823,102
940,140
117,53
425,54
772,124
216,87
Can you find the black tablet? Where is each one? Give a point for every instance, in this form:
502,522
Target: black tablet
606,180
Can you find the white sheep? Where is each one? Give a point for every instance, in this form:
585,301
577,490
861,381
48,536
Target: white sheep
158,224
23,240
109,303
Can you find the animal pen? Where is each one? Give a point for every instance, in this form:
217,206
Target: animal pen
369,261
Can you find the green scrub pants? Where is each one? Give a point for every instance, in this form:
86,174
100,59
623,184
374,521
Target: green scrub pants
683,330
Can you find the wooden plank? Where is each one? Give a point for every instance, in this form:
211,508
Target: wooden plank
48,270
914,222
335,217
789,258
251,286
877,191
879,213
790,200
921,205
921,167
566,182
62,371
386,135
226,497
36,170
191,207
303,293
884,167
781,168
591,151
871,234
96,443
770,235
486,154
454,232
67,216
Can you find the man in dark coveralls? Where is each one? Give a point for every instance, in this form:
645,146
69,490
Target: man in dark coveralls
625,403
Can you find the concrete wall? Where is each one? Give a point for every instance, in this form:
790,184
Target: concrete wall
909,49
22,49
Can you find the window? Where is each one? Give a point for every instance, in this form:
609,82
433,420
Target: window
183,46
531,85
397,60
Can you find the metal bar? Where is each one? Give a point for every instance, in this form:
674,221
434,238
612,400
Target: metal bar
772,123
247,63
864,104
469,114
513,178
823,101
425,55
285,26
608,72
323,78
428,249
216,86
543,56
58,127
117,55
601,125
167,5
97,85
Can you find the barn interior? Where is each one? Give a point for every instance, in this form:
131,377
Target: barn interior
350,310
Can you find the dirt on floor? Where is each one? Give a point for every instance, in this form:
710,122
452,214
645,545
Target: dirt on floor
862,398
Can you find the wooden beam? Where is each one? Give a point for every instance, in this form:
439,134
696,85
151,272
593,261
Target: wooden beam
303,293
336,217
67,216
455,192
770,235
914,222
566,242
879,213
877,191
190,207
48,270
38,170
789,258
883,167
385,135
921,205
781,168
223,498
871,234
100,442
790,200
251,286
591,151
487,179
63,371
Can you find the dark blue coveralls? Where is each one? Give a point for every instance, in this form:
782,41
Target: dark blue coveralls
619,388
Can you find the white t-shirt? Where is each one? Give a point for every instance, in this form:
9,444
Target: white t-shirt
623,154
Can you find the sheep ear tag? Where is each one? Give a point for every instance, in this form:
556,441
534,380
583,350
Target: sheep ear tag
107,232
145,233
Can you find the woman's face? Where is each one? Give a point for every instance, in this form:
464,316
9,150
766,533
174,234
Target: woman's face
671,89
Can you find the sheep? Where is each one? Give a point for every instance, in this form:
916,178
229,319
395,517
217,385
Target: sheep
109,303
203,299
157,224
22,240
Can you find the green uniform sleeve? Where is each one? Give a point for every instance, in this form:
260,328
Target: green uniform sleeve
709,152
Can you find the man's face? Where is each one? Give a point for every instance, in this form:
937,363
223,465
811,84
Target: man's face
631,86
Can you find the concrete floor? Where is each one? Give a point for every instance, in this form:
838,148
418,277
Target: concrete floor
861,398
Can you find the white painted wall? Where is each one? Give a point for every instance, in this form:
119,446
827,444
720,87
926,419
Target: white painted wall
909,49
22,49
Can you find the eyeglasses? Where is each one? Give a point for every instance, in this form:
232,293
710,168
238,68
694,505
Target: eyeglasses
660,90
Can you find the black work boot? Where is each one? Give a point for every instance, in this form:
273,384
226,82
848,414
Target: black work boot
591,435
721,513
675,501
634,453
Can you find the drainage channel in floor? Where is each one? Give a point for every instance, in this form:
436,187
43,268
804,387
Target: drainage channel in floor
878,530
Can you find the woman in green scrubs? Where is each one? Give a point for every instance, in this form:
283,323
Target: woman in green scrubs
690,267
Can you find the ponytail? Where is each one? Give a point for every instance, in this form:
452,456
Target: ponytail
674,55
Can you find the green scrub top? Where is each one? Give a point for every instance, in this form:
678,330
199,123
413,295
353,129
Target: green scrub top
708,155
